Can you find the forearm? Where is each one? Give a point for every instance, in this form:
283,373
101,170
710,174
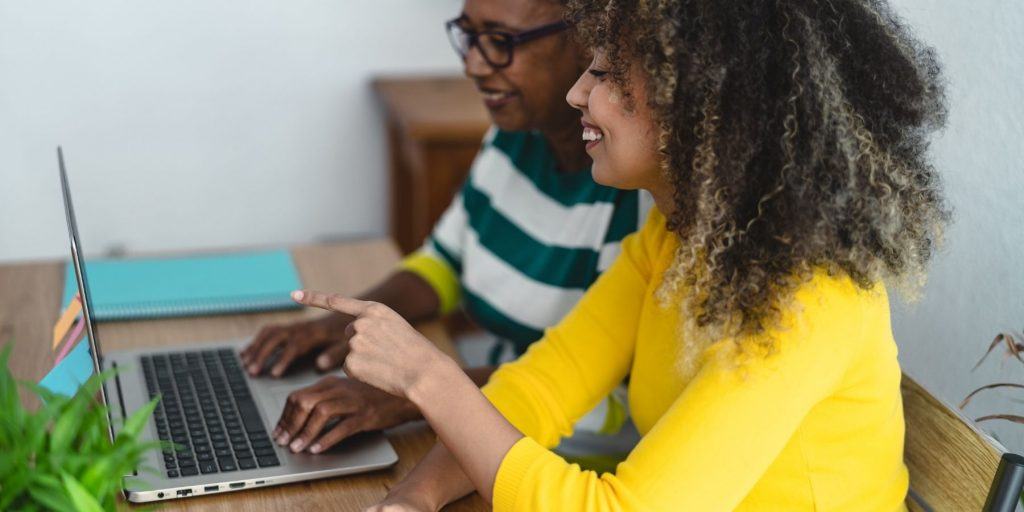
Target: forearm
437,479
471,429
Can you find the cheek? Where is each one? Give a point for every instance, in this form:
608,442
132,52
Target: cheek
630,157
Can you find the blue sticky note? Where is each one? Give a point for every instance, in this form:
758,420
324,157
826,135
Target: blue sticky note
71,372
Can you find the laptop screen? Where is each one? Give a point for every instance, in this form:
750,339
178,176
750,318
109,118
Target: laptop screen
83,283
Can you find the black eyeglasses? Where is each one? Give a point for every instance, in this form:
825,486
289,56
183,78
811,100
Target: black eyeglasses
496,46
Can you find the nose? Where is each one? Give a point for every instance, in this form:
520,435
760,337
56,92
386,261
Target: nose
474,65
579,94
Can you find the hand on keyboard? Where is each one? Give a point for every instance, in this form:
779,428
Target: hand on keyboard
279,346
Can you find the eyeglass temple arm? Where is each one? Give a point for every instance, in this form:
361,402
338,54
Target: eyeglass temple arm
529,35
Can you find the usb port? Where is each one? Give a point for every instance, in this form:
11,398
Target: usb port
238,485
211,488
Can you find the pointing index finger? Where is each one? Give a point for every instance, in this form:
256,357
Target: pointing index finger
330,302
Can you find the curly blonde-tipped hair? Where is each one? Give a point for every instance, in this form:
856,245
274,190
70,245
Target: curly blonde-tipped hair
795,135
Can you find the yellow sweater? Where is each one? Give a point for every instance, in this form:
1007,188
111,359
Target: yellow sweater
816,425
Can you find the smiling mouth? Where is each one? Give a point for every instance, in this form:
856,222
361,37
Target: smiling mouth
494,99
592,136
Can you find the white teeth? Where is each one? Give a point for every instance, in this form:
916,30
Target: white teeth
495,96
592,134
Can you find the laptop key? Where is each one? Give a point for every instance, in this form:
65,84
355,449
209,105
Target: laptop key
269,460
204,456
189,471
208,467
262,452
250,416
246,463
172,473
227,464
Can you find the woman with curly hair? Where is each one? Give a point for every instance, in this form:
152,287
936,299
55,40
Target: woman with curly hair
785,145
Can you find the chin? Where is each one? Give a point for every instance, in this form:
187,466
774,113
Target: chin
509,121
604,174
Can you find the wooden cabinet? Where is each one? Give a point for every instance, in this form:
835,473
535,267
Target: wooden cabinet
434,125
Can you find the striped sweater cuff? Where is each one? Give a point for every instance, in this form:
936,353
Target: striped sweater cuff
438,274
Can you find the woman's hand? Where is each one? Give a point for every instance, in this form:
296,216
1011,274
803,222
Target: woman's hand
356,406
384,350
292,341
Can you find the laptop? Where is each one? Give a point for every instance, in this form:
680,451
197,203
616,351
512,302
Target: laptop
219,418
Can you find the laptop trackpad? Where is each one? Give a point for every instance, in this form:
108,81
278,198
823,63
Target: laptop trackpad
274,401
364,449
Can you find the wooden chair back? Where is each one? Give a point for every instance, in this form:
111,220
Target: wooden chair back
951,462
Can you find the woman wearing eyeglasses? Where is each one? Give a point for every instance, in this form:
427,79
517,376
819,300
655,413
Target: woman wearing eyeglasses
529,232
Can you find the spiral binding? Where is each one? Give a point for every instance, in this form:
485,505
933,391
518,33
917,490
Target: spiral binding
193,307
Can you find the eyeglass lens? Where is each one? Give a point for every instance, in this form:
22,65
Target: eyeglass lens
496,48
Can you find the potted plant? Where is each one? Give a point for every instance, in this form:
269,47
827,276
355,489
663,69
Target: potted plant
1013,347
59,457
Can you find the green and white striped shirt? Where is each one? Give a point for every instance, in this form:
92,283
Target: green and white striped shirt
521,242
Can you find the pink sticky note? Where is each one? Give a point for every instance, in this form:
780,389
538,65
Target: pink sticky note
76,332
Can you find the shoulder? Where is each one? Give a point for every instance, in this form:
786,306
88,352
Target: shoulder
654,236
830,313
652,246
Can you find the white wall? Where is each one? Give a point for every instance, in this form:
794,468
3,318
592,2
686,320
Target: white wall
215,124
976,287
198,124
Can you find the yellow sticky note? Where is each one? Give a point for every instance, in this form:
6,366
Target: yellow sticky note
67,319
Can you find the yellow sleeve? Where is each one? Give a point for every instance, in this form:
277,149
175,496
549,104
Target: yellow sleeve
720,435
438,274
581,360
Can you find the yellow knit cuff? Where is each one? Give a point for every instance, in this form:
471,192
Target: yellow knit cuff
439,275
514,468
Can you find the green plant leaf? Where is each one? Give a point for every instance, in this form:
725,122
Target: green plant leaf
59,456
67,425
138,419
10,405
83,501
13,486
55,499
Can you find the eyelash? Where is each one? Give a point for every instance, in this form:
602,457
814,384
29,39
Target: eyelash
597,73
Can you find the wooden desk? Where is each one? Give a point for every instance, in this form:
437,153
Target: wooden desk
435,125
30,301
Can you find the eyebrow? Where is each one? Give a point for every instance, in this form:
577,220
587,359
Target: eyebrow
488,24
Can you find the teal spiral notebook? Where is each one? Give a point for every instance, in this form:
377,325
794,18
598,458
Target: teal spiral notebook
130,289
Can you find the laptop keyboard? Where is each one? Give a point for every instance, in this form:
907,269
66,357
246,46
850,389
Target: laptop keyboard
208,412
